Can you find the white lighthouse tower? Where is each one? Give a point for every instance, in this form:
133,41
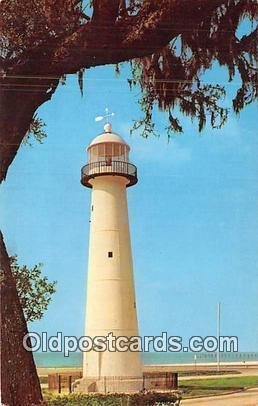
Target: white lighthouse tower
111,304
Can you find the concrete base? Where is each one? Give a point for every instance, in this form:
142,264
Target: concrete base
122,384
108,385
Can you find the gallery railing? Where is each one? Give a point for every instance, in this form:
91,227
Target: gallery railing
107,167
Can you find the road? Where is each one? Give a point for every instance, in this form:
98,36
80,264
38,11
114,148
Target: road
246,398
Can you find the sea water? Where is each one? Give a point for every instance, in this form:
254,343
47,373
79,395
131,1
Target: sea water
58,360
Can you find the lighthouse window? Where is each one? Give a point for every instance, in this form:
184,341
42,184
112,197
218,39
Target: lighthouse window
110,254
101,150
108,150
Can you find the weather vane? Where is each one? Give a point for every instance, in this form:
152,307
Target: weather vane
106,116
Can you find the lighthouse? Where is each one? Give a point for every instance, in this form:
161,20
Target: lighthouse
111,303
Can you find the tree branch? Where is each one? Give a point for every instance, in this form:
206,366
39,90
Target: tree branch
106,41
19,382
105,11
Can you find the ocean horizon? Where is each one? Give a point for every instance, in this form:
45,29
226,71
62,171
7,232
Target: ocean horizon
58,360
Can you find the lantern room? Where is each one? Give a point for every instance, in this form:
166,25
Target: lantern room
108,154
108,147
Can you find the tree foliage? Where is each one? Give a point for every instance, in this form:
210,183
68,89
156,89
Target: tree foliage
172,76
35,131
33,289
170,44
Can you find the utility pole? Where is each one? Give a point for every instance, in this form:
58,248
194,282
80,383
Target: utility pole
218,336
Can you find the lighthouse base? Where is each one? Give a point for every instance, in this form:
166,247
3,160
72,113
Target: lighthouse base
108,384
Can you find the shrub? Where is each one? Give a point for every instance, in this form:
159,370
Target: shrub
116,399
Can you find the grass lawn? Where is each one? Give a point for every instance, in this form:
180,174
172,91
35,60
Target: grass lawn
205,387
208,372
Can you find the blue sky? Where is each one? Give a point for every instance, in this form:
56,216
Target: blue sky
193,213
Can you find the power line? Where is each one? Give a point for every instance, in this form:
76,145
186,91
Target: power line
181,82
